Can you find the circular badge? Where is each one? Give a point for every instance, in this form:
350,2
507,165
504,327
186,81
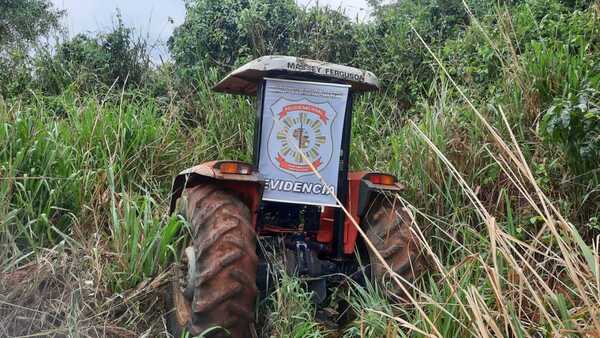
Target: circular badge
301,135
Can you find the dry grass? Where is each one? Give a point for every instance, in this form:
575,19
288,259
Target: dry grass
63,293
548,286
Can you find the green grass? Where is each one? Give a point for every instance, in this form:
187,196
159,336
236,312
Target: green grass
290,311
54,168
149,239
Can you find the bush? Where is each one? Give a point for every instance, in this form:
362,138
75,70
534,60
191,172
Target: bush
93,62
574,123
15,72
23,22
223,34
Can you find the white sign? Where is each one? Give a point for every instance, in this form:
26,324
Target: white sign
301,118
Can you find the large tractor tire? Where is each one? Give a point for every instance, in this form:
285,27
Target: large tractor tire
217,290
389,229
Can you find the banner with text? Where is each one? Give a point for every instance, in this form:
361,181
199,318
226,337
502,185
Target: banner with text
302,123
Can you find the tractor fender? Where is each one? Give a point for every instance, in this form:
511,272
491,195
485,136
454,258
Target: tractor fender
248,187
369,190
361,193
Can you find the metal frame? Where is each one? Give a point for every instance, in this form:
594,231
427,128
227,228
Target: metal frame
258,122
342,193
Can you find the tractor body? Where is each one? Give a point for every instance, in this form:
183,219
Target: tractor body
324,228
293,189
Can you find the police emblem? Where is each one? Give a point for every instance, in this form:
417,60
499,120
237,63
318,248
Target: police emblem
301,127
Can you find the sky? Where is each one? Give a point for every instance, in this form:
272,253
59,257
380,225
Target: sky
156,19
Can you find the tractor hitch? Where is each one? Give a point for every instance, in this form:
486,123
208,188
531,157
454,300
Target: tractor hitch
305,260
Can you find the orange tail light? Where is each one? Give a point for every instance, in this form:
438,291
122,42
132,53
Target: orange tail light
235,168
382,179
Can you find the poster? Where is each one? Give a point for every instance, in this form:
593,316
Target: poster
302,123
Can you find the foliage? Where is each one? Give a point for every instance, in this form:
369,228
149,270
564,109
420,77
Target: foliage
210,34
504,187
223,34
136,229
110,59
54,155
24,21
574,122
15,72
371,305
22,24
291,310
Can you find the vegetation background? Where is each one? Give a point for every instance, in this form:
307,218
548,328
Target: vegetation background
490,114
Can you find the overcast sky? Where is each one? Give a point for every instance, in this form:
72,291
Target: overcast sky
152,18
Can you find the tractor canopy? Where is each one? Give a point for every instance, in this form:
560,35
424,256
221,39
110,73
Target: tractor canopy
245,80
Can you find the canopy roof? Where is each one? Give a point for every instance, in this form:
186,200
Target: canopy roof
245,79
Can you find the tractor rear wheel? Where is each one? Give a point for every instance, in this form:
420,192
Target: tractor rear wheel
389,229
218,288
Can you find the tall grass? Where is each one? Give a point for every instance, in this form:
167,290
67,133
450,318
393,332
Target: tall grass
54,167
539,286
290,310
148,238
487,279
86,177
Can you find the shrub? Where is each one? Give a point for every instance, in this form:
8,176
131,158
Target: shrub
93,62
222,34
574,123
24,21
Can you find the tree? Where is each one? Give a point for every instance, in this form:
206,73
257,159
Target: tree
210,34
226,33
24,21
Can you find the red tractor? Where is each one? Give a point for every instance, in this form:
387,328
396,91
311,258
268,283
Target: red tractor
289,193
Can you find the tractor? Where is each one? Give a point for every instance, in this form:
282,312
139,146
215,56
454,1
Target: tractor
292,192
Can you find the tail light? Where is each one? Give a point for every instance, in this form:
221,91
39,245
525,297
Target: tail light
235,168
382,179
